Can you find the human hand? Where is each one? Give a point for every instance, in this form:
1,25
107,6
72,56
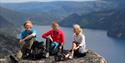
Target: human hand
76,47
60,47
50,38
21,42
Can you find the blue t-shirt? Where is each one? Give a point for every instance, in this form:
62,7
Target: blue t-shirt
25,33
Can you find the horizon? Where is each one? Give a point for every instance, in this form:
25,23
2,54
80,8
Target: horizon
25,1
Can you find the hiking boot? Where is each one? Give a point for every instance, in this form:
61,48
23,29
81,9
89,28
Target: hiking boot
46,54
14,59
27,53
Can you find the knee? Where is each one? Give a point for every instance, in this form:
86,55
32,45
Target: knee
73,44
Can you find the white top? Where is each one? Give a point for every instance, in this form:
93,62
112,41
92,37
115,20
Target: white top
81,40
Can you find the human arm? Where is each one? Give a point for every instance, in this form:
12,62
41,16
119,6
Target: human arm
46,35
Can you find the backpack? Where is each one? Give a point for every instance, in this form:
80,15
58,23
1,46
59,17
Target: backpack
38,51
60,56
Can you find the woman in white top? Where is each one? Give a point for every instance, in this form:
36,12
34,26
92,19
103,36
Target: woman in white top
78,45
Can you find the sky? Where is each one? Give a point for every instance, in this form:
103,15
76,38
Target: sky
18,1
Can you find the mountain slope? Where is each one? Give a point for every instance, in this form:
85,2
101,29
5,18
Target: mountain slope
18,18
91,20
117,28
4,23
58,9
112,20
8,42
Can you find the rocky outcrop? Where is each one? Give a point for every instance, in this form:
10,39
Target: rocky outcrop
91,57
8,42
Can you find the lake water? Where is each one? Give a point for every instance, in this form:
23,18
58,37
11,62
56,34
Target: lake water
113,50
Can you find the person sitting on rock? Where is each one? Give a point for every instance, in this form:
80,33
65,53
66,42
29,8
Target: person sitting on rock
54,38
27,37
78,45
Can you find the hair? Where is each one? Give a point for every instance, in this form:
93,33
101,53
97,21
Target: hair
76,26
55,23
28,21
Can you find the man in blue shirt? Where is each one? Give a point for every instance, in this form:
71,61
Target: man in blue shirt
27,37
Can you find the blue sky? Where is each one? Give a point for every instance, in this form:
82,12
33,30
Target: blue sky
17,1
